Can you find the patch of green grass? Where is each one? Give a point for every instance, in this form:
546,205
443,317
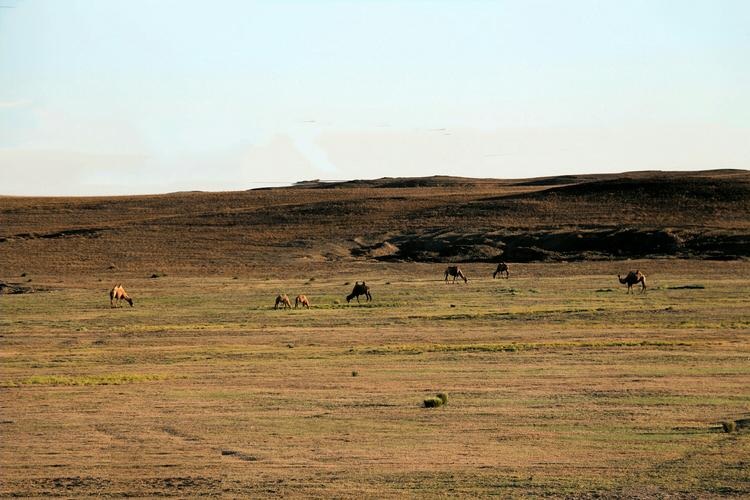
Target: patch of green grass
512,347
82,380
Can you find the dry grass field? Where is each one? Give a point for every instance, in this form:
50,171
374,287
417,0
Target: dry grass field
559,384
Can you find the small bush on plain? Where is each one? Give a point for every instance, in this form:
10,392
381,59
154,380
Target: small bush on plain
432,402
729,426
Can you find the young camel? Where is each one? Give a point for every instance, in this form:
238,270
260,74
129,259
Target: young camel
118,293
455,272
501,268
282,299
633,278
301,299
359,289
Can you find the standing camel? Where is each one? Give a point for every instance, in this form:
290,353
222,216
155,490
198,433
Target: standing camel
117,294
501,268
455,272
282,299
633,278
359,289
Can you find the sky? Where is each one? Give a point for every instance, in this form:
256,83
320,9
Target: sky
106,97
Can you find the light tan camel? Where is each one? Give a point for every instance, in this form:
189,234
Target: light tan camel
501,268
301,300
118,293
633,278
359,289
282,299
455,272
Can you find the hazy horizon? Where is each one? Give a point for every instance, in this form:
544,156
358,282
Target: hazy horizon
108,98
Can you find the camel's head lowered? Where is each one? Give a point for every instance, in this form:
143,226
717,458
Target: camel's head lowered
129,301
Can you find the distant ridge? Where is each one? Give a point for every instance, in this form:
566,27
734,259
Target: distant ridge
649,214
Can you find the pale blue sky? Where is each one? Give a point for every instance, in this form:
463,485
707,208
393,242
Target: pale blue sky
117,97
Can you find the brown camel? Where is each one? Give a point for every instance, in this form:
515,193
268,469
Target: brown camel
301,299
501,268
455,272
359,289
633,278
282,299
118,293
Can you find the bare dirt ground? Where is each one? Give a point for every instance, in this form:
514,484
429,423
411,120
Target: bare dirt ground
559,384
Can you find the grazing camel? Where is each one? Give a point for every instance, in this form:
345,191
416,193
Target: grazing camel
118,293
455,272
359,289
301,299
633,278
282,299
501,268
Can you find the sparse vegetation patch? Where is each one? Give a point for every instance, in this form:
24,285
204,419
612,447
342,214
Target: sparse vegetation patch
82,380
514,347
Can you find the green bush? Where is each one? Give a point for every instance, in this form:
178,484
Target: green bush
729,426
443,397
432,402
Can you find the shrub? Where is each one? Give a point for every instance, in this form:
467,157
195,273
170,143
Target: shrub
443,397
432,402
355,373
729,426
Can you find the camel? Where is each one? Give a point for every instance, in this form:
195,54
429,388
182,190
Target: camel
501,268
301,299
358,290
282,299
633,278
118,293
455,272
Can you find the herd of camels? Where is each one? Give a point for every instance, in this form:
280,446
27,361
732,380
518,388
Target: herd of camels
118,293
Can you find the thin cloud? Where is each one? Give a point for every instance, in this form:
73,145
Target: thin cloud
18,103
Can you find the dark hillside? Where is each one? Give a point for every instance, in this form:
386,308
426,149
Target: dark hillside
435,219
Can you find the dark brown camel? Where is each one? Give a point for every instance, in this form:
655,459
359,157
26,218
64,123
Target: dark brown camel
633,278
455,272
501,268
118,293
359,289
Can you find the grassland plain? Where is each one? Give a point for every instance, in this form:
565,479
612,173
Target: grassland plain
559,383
